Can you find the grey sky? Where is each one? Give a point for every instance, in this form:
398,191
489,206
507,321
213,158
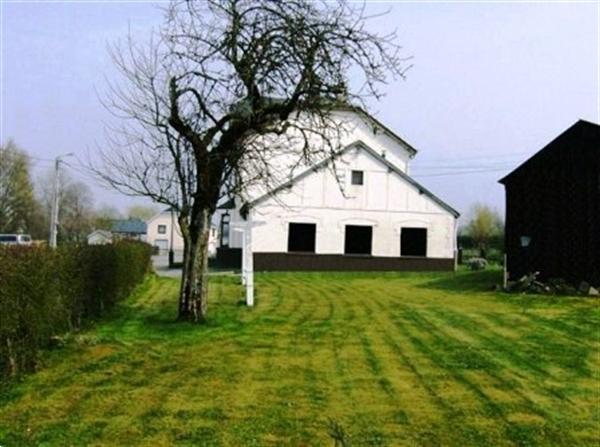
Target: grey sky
491,83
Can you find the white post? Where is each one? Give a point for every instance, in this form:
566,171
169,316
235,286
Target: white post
248,264
244,231
54,211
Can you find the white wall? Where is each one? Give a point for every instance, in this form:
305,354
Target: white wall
385,200
164,218
284,162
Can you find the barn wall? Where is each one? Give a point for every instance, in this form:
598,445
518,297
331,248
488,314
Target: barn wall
555,200
306,262
385,201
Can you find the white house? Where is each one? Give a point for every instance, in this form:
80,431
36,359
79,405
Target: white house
163,232
99,237
384,219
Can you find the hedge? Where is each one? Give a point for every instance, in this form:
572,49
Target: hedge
45,292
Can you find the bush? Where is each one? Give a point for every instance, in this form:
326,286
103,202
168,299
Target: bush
477,264
45,292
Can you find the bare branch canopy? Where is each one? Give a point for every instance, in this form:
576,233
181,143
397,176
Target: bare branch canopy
224,89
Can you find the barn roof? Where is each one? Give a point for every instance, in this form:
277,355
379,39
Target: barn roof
129,226
581,134
360,144
377,124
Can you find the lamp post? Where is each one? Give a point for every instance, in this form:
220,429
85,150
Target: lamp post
171,251
54,211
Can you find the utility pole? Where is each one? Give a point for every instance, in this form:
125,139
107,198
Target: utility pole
54,211
171,250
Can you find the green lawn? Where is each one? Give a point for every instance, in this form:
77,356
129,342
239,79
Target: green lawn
388,359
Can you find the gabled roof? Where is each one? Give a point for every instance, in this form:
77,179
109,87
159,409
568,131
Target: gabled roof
375,122
105,233
129,226
358,144
160,213
579,134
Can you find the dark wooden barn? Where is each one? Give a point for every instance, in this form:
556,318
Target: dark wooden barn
553,209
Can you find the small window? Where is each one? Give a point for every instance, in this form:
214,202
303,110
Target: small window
301,237
413,242
357,177
162,229
358,240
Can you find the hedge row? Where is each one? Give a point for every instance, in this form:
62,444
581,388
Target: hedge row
45,292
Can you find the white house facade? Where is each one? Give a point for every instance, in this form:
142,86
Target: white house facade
368,214
164,233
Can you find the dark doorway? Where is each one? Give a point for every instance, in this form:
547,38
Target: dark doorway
358,240
413,242
301,237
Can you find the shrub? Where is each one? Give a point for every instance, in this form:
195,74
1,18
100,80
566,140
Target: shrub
45,292
477,263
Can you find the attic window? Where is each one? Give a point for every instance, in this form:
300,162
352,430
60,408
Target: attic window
162,229
357,177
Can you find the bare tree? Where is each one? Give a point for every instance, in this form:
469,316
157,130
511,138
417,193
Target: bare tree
484,225
223,91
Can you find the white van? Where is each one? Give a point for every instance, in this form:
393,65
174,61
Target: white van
15,239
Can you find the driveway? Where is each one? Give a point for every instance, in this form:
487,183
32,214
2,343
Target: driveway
161,266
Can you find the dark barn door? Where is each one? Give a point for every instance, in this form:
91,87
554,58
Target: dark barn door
358,240
413,242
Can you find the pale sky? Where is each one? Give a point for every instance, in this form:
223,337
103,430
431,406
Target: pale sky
492,83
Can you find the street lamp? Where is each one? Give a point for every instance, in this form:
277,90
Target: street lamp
54,211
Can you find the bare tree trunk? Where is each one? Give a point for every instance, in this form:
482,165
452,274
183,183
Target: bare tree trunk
193,296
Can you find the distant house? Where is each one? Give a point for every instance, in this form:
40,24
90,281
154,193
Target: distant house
164,233
553,209
128,229
99,237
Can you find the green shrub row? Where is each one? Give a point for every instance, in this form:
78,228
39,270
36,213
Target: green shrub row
45,292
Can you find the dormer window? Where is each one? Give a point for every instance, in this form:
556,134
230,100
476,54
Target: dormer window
357,177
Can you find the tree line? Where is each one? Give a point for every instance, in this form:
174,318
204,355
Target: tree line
25,202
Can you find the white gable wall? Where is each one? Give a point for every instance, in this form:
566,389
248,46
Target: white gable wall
360,128
385,201
285,163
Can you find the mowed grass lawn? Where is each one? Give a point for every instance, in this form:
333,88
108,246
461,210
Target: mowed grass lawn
380,359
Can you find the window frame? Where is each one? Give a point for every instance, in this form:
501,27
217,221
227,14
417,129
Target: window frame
352,177
162,227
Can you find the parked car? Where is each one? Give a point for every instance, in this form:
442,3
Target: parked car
15,239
